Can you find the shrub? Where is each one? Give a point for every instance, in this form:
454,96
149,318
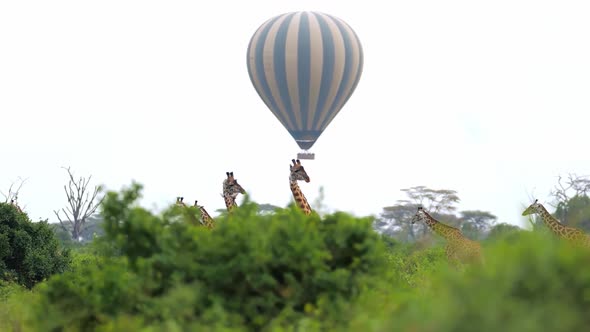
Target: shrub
29,252
250,270
538,283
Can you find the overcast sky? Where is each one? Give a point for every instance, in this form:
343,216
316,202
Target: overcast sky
487,98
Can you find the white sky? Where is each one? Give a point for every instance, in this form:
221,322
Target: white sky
487,98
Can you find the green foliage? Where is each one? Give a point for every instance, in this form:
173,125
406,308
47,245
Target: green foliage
15,313
92,228
285,271
249,271
505,232
575,212
29,252
537,283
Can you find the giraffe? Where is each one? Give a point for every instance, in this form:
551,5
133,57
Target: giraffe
459,249
298,174
568,233
231,189
206,219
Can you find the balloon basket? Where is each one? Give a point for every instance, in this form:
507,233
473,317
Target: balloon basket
306,155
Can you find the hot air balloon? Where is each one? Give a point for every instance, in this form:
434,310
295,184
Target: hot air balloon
305,66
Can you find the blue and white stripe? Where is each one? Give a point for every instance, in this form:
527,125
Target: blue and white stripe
305,66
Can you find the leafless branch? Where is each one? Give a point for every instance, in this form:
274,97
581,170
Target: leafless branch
12,194
565,189
82,204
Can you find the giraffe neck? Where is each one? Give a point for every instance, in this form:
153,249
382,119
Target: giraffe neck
230,201
554,225
299,197
207,220
441,229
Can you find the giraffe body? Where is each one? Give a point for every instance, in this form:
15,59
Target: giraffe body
298,174
570,234
458,249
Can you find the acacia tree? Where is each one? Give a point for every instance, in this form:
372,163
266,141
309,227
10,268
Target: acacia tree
395,220
82,204
477,223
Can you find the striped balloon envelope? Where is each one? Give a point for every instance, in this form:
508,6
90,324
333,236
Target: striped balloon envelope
305,66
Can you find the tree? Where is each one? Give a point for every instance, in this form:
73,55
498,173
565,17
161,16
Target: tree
565,189
318,204
29,251
395,220
266,208
503,231
571,201
575,212
475,224
11,196
82,203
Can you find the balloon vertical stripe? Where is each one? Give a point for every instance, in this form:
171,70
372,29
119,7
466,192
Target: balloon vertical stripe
357,63
270,68
327,68
256,68
349,66
291,50
280,71
305,66
316,59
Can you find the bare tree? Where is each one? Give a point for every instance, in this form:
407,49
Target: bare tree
82,203
571,201
12,195
565,189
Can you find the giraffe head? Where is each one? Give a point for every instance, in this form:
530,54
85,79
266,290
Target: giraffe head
298,172
536,207
419,216
231,186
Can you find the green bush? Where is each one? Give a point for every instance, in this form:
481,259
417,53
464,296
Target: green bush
289,272
29,251
248,272
538,283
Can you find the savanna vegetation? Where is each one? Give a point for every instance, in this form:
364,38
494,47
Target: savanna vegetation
279,270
